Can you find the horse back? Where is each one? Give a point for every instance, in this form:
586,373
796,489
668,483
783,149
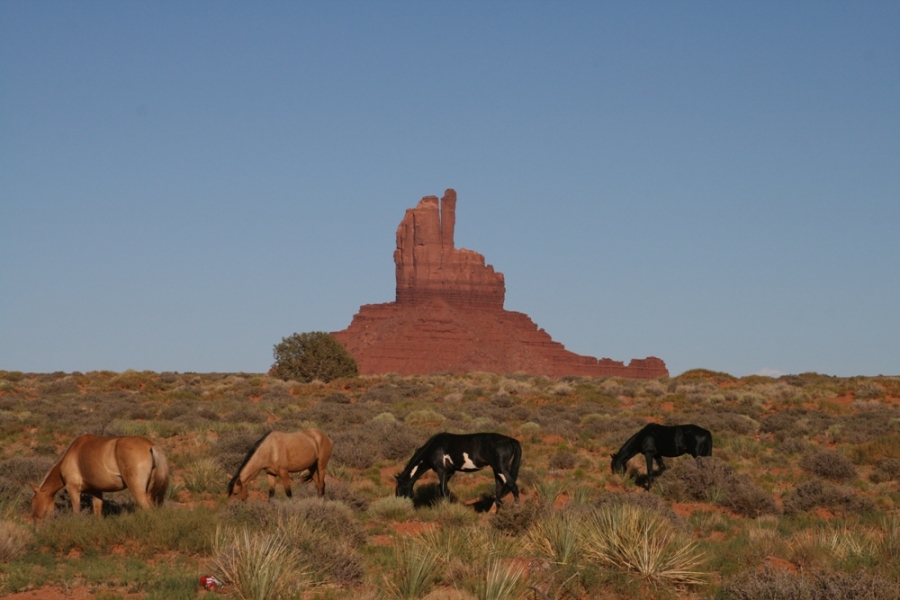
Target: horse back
296,451
101,463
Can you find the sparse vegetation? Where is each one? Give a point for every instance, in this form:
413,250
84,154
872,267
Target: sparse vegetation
805,473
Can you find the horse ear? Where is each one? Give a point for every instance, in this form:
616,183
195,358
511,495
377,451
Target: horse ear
35,488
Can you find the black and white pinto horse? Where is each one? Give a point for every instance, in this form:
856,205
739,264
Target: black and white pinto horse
447,453
655,441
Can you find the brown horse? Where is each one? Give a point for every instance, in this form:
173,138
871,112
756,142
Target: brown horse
94,464
281,454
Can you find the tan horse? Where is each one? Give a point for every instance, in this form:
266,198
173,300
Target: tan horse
94,464
281,454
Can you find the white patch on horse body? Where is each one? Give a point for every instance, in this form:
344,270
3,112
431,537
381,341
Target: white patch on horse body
413,472
502,477
448,460
468,465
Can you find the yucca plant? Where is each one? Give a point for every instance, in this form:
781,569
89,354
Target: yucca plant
204,475
257,566
556,537
415,570
502,580
640,542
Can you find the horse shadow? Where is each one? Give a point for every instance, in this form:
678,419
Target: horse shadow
429,494
110,505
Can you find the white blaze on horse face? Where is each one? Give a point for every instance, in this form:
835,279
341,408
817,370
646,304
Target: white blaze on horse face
448,460
468,465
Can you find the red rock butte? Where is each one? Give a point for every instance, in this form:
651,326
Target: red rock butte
448,316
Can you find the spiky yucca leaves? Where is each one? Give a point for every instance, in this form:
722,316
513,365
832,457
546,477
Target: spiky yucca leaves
556,537
501,580
257,566
414,572
639,541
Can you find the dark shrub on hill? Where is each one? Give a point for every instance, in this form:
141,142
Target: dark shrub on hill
818,494
711,480
516,517
717,421
887,470
314,355
829,464
796,422
785,585
563,459
17,473
867,425
357,448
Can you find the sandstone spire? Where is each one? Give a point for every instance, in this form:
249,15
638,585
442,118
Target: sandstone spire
448,316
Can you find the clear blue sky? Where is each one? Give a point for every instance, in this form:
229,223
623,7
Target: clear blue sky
713,183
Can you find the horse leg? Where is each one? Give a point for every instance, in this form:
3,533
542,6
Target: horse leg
505,484
659,461
97,502
444,477
319,478
74,491
272,480
286,482
649,458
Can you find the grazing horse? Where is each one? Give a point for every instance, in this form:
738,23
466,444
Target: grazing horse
95,464
447,453
655,441
280,454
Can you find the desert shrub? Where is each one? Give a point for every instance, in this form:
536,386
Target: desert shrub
793,446
709,479
314,355
424,418
562,459
205,475
786,585
339,416
649,502
390,392
717,421
337,398
867,425
796,422
641,543
15,475
247,414
356,448
612,431
817,494
15,540
516,517
392,508
887,470
829,464
396,441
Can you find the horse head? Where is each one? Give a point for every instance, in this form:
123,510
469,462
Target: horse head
404,486
236,489
41,503
616,465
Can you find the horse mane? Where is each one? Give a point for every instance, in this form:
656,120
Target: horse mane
247,458
417,456
55,467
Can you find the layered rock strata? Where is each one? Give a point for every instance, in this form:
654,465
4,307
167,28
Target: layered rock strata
448,315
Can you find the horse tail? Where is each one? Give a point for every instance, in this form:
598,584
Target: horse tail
158,482
244,462
516,460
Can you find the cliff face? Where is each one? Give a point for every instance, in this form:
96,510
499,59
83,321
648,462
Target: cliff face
448,316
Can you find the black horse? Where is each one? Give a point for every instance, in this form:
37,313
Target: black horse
447,453
655,441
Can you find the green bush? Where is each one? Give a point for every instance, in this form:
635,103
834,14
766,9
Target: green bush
314,355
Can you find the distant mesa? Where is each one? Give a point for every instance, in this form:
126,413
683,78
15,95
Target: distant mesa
448,316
